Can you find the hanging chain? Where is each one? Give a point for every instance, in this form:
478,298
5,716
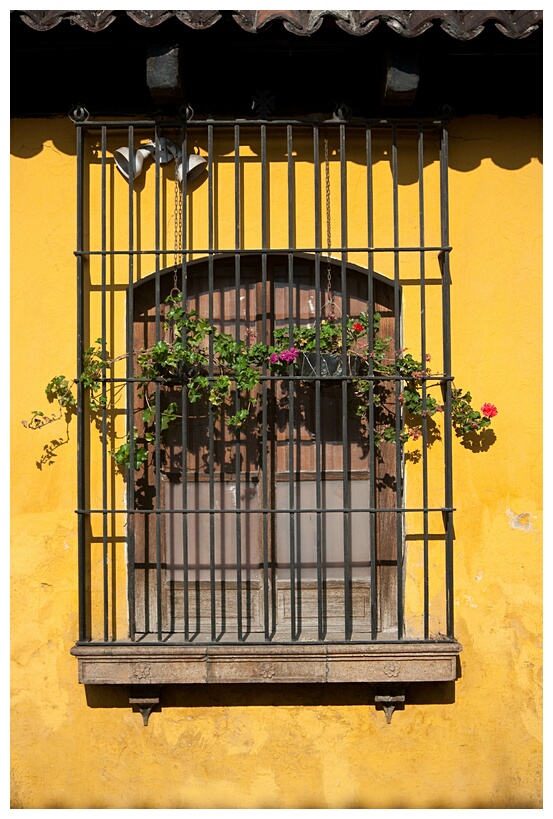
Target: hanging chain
178,231
329,293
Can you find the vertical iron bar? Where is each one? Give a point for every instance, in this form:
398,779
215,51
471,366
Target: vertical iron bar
158,504
348,610
81,483
422,264
237,493
370,350
264,460
321,578
397,340
446,319
157,197
294,624
210,219
130,397
184,419
104,388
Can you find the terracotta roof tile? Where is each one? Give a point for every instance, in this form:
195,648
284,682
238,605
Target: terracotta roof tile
462,25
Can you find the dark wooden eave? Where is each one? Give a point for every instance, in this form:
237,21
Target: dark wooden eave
462,25
470,62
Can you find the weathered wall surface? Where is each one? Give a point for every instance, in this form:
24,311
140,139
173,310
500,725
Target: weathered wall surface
477,744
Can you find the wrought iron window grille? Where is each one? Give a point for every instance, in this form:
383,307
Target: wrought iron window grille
294,548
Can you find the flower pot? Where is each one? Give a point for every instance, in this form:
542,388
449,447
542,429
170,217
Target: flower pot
174,374
330,365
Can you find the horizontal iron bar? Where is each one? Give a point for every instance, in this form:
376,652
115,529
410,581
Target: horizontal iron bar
311,122
310,642
311,378
302,511
268,251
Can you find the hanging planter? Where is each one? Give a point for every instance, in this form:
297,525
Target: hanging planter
330,365
328,335
176,372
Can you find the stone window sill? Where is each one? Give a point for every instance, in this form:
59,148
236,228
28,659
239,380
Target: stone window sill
146,668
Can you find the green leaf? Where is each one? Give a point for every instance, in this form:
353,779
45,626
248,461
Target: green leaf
149,414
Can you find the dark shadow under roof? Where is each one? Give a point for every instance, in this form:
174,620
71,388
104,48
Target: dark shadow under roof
467,62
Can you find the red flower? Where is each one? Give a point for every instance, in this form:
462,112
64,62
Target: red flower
357,327
488,410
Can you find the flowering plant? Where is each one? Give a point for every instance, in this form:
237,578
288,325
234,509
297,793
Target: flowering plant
330,335
224,371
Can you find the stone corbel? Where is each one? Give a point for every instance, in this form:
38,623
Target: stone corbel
144,698
389,697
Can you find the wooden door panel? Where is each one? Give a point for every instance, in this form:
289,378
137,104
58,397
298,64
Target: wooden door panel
305,444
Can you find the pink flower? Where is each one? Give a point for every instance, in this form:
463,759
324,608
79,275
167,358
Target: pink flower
488,410
415,433
289,355
273,358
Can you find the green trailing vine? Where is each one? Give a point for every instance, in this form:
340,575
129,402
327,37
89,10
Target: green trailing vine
237,367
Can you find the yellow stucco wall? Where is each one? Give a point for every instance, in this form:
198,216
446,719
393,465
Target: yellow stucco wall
237,749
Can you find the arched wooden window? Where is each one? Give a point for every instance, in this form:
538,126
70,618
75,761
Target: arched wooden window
273,529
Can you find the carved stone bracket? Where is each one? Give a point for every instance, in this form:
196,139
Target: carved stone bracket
390,698
144,698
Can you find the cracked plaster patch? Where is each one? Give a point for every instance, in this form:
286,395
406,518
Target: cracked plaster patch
522,521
